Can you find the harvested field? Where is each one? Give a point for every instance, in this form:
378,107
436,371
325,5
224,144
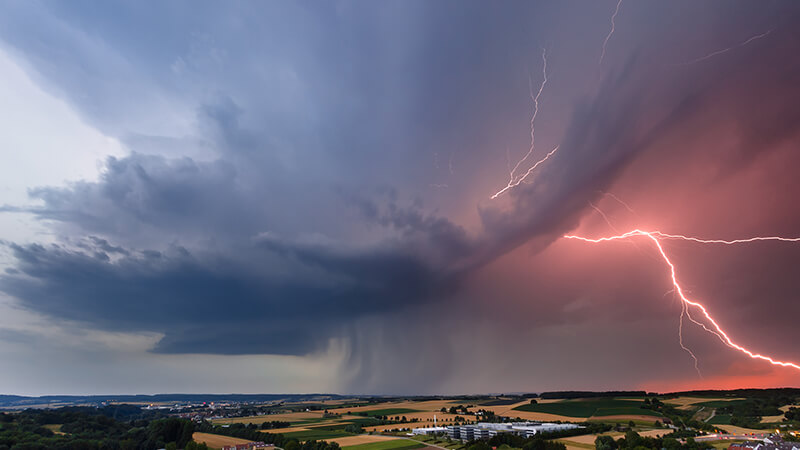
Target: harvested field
216,440
391,411
603,407
432,405
772,419
589,438
689,402
575,445
650,420
655,433
286,417
540,416
739,430
502,409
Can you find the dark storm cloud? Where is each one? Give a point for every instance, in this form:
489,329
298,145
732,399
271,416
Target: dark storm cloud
280,240
183,296
218,305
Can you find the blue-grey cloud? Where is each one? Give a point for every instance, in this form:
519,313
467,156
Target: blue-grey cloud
289,198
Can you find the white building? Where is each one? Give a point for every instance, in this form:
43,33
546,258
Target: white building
429,430
485,430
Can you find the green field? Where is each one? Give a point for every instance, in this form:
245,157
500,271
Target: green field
720,403
591,407
390,412
720,419
396,444
365,422
315,435
452,445
302,422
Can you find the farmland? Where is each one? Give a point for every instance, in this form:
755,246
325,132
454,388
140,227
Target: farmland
390,411
216,440
585,408
394,444
315,434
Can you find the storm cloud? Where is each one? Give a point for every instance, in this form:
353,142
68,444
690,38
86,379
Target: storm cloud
334,180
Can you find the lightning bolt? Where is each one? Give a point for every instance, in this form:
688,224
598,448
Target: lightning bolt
716,329
726,50
604,216
610,32
684,312
619,200
722,241
514,179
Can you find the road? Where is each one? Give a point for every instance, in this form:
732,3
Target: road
741,437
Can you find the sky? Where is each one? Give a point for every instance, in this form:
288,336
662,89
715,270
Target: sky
293,196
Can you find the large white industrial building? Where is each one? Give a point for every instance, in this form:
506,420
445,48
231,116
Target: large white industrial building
485,430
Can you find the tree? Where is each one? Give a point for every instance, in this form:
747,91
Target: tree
605,443
480,445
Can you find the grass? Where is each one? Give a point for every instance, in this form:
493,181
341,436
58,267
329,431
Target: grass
55,428
332,427
591,407
722,445
365,422
390,411
636,422
395,444
453,445
500,402
316,435
575,444
301,422
720,419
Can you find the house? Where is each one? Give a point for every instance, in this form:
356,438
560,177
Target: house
772,443
249,446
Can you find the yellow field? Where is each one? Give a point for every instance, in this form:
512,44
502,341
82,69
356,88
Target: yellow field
505,409
217,441
768,419
587,441
286,417
739,430
687,402
575,445
540,416
432,405
655,433
589,438
55,428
